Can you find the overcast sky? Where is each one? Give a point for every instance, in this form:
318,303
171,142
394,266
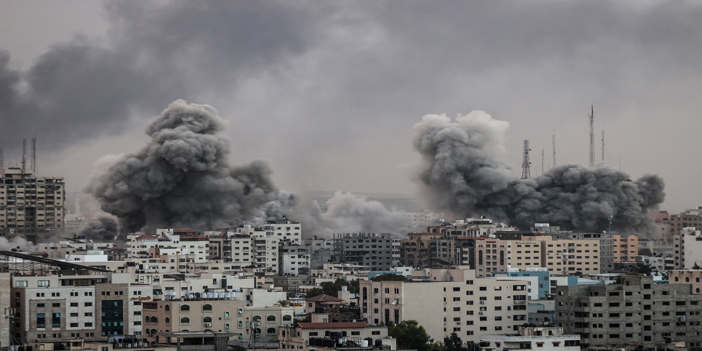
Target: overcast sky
328,91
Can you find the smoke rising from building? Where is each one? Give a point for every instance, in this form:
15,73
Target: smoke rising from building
463,173
17,243
102,230
183,178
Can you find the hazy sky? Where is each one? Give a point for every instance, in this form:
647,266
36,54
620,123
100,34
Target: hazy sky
328,91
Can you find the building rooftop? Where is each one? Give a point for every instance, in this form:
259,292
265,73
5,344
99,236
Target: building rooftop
333,325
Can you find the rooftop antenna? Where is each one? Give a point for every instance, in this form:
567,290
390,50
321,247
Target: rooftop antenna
24,154
525,161
553,140
542,161
592,137
603,145
34,155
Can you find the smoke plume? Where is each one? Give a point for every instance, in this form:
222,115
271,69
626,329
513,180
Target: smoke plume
462,173
102,230
183,176
17,243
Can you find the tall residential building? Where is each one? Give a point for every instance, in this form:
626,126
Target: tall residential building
449,301
634,312
378,252
626,248
30,205
669,225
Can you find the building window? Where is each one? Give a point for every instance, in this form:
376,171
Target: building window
184,308
207,308
41,320
185,320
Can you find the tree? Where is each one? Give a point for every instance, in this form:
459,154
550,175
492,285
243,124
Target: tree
410,335
283,303
453,342
314,292
643,269
389,277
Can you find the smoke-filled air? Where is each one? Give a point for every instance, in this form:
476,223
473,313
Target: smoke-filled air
183,178
462,172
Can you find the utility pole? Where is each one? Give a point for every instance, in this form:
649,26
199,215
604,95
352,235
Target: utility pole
34,156
525,161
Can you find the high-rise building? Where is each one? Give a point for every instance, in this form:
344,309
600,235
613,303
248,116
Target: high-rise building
30,205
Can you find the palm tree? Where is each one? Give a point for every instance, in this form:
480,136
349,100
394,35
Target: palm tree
283,303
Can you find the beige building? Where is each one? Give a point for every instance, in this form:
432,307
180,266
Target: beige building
450,301
214,314
30,205
8,309
693,277
626,248
559,256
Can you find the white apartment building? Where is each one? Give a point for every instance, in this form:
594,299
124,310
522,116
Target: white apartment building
532,338
293,259
688,248
453,300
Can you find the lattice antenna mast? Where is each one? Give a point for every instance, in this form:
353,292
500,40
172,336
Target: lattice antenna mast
525,162
24,154
592,137
603,148
34,155
553,141
542,161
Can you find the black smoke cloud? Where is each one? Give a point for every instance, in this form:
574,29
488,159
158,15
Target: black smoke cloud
462,173
183,178
102,230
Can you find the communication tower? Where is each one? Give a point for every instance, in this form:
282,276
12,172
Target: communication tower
525,161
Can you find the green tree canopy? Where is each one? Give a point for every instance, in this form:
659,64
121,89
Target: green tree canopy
410,335
314,292
389,277
453,342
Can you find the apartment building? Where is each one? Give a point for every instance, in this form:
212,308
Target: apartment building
8,311
415,250
460,301
635,312
285,230
30,205
332,335
670,225
378,252
293,259
52,307
227,314
231,248
626,248
532,338
690,276
688,248
566,256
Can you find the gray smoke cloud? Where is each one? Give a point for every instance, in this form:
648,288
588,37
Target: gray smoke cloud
462,173
183,177
17,242
104,229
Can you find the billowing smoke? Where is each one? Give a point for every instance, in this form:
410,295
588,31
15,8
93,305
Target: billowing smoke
347,213
462,173
17,243
102,230
183,177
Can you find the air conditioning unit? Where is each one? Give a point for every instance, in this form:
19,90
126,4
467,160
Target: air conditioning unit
481,313
208,325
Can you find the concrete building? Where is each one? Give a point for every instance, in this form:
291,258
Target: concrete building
456,298
670,225
415,250
8,309
293,259
635,312
626,248
285,230
691,276
688,248
232,248
346,335
30,205
377,252
214,314
531,338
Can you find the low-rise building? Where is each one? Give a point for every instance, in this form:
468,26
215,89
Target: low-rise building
531,338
